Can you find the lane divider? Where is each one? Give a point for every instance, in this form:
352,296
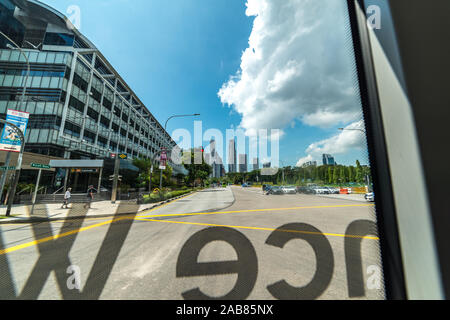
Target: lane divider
148,218
257,210
68,233
260,228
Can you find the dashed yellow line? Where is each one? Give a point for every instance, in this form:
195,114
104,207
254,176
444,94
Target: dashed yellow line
68,233
265,229
256,210
143,218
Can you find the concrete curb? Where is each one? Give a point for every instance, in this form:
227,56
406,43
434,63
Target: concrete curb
20,220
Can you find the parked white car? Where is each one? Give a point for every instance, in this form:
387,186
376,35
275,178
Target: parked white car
333,190
289,190
370,197
321,190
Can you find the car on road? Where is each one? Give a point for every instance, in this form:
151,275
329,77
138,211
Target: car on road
289,189
321,190
275,190
244,185
305,190
332,190
370,197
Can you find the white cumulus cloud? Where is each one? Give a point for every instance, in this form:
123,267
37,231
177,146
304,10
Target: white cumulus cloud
353,137
298,65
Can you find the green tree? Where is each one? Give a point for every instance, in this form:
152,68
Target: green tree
144,165
342,177
350,173
335,175
330,175
197,172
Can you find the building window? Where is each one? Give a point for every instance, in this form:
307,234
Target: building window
97,96
80,82
102,142
89,136
58,39
76,104
44,121
92,114
123,132
107,104
117,112
72,129
104,122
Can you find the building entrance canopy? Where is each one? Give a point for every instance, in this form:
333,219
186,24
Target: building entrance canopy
79,164
76,163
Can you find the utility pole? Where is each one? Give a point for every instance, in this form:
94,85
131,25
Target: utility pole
5,173
18,166
116,178
165,130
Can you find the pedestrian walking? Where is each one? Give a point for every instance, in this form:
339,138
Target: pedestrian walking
90,197
67,197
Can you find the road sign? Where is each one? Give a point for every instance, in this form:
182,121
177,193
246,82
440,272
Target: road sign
40,166
4,168
163,159
162,164
84,170
10,139
123,156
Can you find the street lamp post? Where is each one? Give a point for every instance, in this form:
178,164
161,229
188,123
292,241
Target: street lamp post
18,166
165,127
116,171
344,129
22,100
282,171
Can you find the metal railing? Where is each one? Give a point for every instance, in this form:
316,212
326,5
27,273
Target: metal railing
54,193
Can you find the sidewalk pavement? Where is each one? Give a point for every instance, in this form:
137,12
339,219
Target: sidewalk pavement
53,211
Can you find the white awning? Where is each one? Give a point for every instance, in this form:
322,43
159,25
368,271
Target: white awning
76,163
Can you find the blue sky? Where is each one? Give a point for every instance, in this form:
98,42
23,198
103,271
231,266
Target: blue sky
177,55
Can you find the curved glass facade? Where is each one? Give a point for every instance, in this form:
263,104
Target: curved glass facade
79,105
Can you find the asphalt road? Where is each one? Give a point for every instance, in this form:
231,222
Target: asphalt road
325,248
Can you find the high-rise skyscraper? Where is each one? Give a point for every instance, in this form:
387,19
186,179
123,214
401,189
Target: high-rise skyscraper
255,163
232,156
242,163
267,165
309,164
328,159
215,161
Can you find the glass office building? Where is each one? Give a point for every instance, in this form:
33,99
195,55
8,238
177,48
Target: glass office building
80,107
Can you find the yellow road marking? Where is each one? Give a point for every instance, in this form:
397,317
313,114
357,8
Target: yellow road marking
68,233
162,206
56,236
265,229
256,210
65,234
98,218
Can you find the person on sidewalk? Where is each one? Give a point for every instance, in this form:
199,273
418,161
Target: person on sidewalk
90,197
66,200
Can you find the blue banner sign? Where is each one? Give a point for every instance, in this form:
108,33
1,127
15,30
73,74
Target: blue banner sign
10,139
